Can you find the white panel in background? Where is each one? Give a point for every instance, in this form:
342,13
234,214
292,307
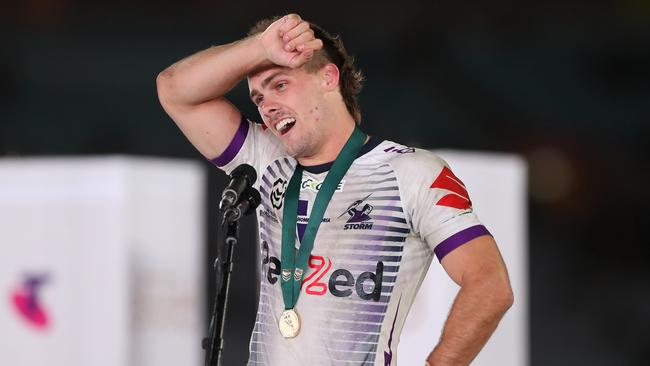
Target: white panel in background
497,187
100,261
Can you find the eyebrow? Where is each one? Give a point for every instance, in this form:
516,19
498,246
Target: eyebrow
266,82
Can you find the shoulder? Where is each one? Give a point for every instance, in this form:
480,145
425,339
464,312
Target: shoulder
410,163
252,144
264,140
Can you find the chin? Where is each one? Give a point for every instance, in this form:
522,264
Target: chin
298,150
301,146
295,153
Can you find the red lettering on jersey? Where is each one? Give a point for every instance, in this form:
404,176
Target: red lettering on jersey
316,287
448,181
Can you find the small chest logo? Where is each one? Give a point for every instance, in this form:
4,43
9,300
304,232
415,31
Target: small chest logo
277,193
359,215
303,219
314,185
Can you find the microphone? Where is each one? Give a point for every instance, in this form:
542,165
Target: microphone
250,200
241,178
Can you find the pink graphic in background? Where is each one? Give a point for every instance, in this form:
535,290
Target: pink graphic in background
25,301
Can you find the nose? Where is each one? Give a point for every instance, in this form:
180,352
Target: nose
269,108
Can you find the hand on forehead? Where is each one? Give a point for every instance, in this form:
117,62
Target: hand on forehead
290,42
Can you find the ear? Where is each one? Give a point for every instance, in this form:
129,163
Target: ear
330,77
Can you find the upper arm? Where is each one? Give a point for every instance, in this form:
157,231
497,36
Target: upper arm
476,259
210,126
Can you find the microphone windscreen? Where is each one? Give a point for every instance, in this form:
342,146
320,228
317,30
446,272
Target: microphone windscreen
245,170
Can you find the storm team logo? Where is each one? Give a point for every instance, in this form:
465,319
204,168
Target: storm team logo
26,302
359,215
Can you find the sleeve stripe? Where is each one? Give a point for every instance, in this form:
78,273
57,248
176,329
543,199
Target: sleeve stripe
458,239
235,145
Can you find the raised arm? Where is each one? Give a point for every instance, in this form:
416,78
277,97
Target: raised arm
484,297
192,90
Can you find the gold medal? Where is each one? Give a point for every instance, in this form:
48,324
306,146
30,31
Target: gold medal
289,324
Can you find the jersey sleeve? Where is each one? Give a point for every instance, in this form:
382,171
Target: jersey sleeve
440,207
252,144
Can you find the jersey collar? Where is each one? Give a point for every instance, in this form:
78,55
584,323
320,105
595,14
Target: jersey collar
322,168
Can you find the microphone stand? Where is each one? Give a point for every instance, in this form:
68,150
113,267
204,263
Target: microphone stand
213,344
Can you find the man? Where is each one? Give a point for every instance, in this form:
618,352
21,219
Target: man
348,224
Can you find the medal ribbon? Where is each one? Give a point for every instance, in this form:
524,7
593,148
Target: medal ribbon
294,264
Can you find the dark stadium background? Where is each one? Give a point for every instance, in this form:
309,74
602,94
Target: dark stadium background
564,84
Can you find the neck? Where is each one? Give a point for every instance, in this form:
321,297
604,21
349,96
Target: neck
331,145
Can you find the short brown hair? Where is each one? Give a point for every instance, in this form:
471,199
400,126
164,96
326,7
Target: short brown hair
333,51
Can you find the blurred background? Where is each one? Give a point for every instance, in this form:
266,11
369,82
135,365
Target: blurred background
566,85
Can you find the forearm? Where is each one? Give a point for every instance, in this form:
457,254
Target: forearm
211,73
474,316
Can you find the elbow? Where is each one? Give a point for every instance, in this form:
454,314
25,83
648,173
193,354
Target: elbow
508,299
164,86
504,298
494,288
498,294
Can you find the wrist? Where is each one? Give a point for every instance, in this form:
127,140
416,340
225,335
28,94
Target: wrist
246,56
257,51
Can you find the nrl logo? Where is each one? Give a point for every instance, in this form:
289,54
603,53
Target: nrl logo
286,275
297,274
277,193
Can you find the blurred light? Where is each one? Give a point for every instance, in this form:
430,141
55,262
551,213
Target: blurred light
552,175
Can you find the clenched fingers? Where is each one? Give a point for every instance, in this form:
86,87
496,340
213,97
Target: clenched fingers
288,23
301,58
300,28
314,45
300,40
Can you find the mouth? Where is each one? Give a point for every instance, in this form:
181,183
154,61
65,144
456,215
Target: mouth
283,126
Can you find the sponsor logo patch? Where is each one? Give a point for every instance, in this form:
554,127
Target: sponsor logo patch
458,198
314,185
27,303
303,219
340,283
400,150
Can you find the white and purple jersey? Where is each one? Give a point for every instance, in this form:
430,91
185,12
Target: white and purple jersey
395,208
